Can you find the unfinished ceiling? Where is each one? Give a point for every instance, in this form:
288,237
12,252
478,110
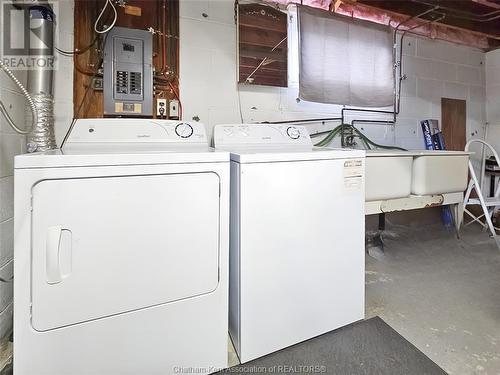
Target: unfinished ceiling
471,22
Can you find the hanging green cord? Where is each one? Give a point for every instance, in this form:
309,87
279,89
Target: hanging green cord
376,144
367,145
367,141
329,137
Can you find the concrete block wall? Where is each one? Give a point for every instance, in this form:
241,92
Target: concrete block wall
208,76
443,69
63,77
12,144
493,97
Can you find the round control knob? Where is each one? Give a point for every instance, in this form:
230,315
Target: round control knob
184,130
293,132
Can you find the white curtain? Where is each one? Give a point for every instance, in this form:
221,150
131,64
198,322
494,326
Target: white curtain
344,61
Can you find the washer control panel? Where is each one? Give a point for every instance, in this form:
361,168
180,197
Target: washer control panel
120,130
261,134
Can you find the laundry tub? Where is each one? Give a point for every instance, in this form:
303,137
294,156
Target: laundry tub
439,172
388,174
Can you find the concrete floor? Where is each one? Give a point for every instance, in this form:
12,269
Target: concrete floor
440,293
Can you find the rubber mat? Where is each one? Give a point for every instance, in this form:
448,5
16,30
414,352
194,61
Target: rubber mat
368,347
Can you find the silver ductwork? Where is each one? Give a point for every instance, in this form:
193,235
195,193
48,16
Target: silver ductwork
40,79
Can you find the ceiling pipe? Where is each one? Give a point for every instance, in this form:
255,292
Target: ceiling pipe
455,13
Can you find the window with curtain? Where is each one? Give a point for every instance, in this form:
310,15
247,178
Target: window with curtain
344,61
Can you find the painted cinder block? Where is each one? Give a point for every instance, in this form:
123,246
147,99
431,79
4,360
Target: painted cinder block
426,68
409,86
430,89
6,321
493,58
6,241
455,90
15,104
6,286
469,75
6,198
409,45
10,145
444,51
193,9
476,58
209,35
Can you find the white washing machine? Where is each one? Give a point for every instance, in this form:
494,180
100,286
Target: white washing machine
297,237
121,252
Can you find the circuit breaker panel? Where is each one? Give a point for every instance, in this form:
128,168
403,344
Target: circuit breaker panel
128,73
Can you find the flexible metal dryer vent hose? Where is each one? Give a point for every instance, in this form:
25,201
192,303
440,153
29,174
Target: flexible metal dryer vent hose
42,136
29,99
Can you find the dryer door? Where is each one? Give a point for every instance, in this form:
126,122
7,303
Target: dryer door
111,245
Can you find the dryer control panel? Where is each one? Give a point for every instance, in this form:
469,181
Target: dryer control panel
133,131
261,134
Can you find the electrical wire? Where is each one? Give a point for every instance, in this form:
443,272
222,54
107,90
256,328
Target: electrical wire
239,105
29,99
456,13
96,72
104,31
78,51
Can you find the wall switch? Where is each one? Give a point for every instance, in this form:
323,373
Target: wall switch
161,108
173,110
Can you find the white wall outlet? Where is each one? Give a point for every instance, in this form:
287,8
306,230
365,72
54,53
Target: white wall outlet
161,108
173,110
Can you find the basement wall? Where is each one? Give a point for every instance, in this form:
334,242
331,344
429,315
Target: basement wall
12,144
63,78
208,76
493,95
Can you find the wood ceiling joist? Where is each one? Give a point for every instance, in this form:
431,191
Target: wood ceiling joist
487,3
440,31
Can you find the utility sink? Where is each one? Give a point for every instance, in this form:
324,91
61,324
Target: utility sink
392,174
439,172
388,174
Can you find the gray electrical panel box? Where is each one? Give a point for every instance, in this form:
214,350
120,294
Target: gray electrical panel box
128,73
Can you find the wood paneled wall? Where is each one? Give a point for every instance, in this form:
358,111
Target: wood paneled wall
263,45
162,16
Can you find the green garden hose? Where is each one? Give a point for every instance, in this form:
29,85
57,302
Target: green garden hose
366,141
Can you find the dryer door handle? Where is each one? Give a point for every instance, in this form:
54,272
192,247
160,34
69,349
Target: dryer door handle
52,254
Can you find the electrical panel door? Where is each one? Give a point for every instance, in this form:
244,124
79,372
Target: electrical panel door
128,73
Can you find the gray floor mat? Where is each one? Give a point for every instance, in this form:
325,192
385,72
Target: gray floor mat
368,347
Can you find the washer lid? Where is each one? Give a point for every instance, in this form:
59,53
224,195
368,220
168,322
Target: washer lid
113,154
260,143
275,154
